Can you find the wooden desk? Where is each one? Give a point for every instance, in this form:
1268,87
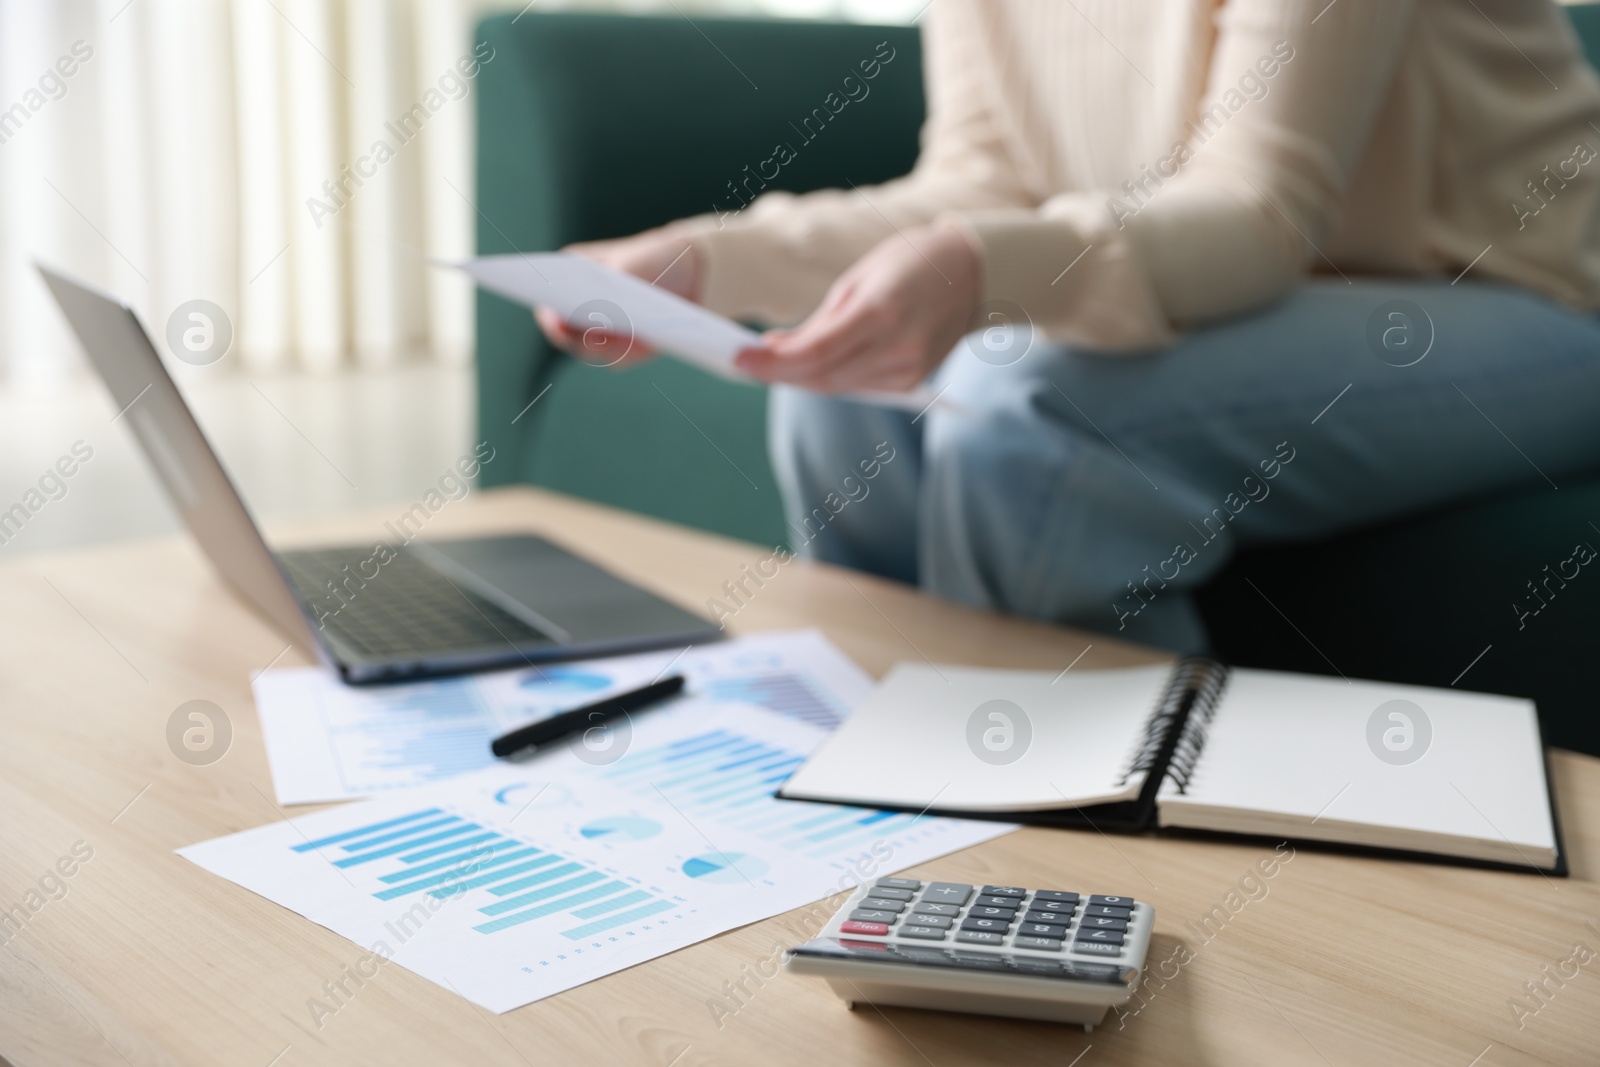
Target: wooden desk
147,959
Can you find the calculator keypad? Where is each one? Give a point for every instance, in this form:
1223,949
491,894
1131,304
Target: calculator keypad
884,904
993,916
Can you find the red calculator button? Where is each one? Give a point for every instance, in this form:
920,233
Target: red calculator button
876,929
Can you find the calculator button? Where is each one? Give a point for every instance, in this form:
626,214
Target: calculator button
1095,948
938,922
1050,917
898,883
884,904
1100,922
872,915
857,927
926,908
1054,894
1112,902
980,937
1104,937
998,902
995,925
1106,912
1062,906
1042,930
922,933
947,893
1004,891
886,892
1043,944
1004,914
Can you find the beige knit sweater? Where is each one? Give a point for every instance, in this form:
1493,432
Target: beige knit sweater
1132,167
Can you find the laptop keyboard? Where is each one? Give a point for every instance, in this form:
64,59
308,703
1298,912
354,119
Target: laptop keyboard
408,610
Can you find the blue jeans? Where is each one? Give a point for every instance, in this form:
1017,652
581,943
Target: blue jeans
1100,490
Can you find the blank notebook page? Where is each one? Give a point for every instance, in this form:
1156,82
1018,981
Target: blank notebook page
1299,746
916,740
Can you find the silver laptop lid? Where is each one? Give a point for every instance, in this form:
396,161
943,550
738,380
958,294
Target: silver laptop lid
184,461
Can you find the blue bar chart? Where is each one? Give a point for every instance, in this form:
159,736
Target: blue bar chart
730,778
522,880
511,881
422,733
785,692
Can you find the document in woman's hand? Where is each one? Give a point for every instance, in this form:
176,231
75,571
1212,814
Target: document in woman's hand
592,296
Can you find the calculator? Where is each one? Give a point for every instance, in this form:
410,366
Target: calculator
1050,954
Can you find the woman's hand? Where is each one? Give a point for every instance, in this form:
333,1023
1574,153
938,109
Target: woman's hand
658,256
886,323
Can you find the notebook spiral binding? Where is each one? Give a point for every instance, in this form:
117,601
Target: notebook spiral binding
1191,696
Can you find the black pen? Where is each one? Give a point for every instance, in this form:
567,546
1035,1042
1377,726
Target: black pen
590,715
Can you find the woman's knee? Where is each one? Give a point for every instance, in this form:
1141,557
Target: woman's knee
988,482
848,473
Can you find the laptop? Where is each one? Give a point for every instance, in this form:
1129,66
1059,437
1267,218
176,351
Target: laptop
418,610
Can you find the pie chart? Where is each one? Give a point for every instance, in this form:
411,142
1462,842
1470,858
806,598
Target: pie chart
621,828
532,795
558,679
725,867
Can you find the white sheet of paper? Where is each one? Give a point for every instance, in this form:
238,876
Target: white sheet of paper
1297,745
515,883
329,741
1076,734
590,295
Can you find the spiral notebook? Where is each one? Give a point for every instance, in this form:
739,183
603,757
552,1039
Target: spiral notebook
1199,747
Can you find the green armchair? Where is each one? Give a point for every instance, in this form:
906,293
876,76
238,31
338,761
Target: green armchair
594,126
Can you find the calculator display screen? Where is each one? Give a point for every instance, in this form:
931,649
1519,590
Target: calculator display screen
959,959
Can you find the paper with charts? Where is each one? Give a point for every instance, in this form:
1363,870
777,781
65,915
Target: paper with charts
329,741
518,882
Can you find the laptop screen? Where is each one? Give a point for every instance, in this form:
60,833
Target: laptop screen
184,462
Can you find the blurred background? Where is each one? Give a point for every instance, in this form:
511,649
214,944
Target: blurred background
223,150
180,160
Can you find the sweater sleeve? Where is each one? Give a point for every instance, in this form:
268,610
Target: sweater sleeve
773,260
1234,215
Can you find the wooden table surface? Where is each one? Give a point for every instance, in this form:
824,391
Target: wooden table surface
139,957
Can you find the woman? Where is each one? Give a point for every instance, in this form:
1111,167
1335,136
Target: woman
1242,271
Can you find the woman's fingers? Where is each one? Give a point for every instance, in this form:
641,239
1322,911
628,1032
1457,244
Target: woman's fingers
892,368
554,327
593,344
658,257
605,349
799,362
839,331
813,372
597,342
884,324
